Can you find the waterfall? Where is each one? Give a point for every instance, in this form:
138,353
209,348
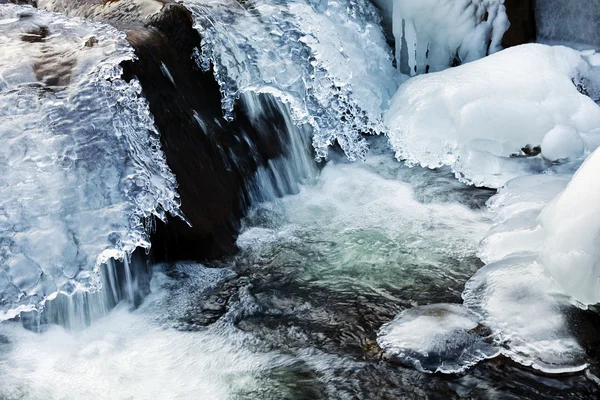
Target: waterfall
337,79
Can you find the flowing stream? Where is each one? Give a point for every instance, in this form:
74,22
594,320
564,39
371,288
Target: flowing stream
357,277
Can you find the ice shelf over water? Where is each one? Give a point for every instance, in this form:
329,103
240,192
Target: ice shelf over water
327,59
81,170
520,303
522,120
484,118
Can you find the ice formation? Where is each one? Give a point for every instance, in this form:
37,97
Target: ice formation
445,338
571,225
540,256
520,301
500,122
432,35
483,118
81,170
338,78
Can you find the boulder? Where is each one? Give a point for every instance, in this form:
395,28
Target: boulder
213,159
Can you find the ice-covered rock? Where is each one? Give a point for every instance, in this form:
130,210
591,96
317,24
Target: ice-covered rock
477,117
81,169
338,78
542,258
523,307
445,338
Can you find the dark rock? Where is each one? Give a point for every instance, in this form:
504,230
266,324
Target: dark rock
212,158
521,14
569,22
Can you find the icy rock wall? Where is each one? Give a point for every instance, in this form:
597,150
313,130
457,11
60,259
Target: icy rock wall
82,174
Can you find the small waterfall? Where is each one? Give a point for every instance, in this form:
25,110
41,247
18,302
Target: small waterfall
282,175
126,280
337,79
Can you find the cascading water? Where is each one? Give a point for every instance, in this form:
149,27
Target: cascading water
272,47
82,170
349,276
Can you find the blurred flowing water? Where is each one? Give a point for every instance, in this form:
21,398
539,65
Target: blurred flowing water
296,313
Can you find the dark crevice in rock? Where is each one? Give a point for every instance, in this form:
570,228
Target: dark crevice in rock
521,14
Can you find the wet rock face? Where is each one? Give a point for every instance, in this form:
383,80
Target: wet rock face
212,158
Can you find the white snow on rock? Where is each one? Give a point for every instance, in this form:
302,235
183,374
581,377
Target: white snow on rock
477,117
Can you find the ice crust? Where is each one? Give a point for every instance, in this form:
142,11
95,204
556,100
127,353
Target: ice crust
327,59
81,170
478,117
445,338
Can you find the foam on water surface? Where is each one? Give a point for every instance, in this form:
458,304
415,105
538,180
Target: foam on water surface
367,225
136,354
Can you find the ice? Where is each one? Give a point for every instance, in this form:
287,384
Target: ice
485,119
561,143
524,309
432,35
571,224
516,208
445,338
338,78
542,258
81,170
